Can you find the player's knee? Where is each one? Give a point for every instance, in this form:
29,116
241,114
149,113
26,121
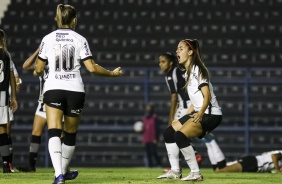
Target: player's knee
169,135
35,139
69,138
181,140
208,138
54,132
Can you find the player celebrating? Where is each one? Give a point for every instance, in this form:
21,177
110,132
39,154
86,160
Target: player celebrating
180,104
64,94
203,115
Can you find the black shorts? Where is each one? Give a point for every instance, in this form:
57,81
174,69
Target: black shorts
249,163
70,102
208,123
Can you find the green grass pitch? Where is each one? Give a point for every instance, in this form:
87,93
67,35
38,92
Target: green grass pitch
137,176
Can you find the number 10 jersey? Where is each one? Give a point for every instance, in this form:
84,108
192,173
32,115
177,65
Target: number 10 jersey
63,51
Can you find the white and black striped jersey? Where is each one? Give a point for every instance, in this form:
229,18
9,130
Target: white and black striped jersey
175,80
5,69
195,83
265,163
64,50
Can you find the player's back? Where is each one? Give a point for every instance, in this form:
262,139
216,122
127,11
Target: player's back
63,50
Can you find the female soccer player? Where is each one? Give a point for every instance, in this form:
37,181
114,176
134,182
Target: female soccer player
64,94
39,121
7,79
203,115
180,104
270,161
18,81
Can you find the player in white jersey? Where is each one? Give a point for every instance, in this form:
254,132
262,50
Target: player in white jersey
7,79
180,103
203,115
270,161
39,121
64,51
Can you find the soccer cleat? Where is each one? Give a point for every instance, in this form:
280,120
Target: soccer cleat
11,167
193,176
168,169
71,175
6,168
59,180
170,175
26,168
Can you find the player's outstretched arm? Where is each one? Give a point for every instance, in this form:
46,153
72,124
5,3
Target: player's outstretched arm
94,68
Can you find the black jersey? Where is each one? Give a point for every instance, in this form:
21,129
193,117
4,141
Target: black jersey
5,69
176,83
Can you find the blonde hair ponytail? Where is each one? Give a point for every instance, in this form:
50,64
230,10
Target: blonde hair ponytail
65,15
59,15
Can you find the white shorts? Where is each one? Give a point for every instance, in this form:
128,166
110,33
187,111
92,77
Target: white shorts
41,110
4,115
181,110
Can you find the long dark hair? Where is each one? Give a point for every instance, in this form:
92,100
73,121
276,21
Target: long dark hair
3,41
196,59
171,57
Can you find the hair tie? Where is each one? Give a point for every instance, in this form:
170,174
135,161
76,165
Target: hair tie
187,42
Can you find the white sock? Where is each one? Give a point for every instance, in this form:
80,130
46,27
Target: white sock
55,151
218,155
173,156
67,153
190,158
211,154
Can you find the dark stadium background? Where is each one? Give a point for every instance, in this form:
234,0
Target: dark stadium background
240,41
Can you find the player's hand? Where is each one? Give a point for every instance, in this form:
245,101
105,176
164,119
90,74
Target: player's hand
18,85
197,117
14,105
117,72
38,74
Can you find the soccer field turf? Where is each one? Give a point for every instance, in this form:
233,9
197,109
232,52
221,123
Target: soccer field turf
136,176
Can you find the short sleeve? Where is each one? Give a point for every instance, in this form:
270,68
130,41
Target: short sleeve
85,52
42,50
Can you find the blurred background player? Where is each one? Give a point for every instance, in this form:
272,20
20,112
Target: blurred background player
7,78
151,133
